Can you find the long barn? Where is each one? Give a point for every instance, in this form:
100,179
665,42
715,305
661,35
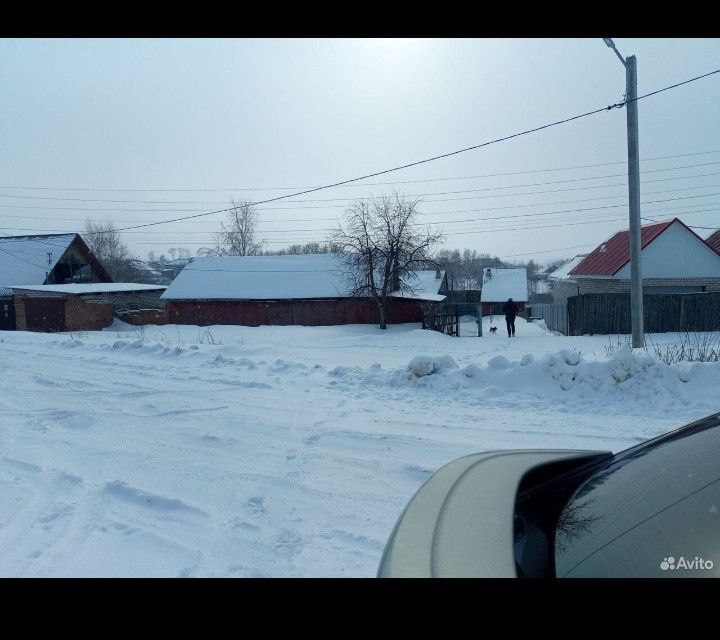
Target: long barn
306,290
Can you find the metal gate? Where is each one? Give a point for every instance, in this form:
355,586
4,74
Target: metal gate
468,314
462,320
45,314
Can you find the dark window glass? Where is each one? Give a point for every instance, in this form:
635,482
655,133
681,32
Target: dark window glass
653,512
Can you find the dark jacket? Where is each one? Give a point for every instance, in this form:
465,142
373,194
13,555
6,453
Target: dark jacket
510,309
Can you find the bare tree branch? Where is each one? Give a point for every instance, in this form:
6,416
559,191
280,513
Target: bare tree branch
383,247
238,234
105,242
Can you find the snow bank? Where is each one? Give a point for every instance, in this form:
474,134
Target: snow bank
425,365
624,383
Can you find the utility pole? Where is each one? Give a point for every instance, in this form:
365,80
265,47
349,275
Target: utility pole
636,293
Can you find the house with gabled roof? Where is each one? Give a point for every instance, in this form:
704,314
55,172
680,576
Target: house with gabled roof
48,259
499,285
675,259
306,290
43,259
561,284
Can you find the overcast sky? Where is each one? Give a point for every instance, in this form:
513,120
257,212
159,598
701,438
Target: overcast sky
84,121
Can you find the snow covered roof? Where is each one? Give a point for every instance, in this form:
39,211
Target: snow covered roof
285,277
90,287
562,272
28,259
503,284
259,278
424,286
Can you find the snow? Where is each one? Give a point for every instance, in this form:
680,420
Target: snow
561,273
503,284
287,451
279,278
424,285
25,259
259,278
95,287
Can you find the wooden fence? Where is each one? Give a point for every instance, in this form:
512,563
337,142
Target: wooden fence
555,316
609,313
447,322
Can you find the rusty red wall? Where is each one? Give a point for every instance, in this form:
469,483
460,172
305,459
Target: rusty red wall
290,312
143,316
83,316
39,313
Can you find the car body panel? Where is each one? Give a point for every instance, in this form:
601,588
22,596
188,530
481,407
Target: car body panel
651,506
460,522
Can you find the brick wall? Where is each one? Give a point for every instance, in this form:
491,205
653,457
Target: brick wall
20,321
143,316
83,316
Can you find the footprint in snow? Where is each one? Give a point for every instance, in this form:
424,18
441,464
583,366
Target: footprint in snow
256,505
288,543
312,439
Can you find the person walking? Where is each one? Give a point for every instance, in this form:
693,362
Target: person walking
510,311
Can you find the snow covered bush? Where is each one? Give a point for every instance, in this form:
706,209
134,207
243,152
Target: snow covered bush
423,365
499,362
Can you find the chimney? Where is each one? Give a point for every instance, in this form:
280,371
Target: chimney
437,274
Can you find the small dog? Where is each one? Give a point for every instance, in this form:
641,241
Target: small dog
493,329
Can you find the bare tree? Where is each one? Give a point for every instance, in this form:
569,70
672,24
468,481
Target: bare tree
383,246
105,242
307,248
238,234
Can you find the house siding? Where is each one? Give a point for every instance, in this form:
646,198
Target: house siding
676,253
608,285
563,289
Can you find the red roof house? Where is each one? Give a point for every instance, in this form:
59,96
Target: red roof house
675,259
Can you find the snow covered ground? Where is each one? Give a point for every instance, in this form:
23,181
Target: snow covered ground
286,451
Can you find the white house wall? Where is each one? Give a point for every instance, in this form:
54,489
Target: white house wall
676,253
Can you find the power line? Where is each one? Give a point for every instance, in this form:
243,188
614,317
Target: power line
14,255
489,218
366,184
416,195
463,232
432,159
673,86
607,197
531,253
